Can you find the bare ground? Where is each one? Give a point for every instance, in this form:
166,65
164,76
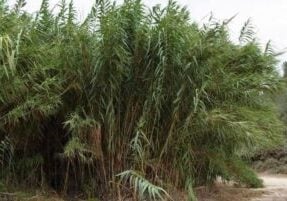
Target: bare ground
275,188
222,192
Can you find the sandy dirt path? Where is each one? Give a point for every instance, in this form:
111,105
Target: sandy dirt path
275,188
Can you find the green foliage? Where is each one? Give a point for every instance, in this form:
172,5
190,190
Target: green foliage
190,192
247,32
6,152
244,174
143,187
132,89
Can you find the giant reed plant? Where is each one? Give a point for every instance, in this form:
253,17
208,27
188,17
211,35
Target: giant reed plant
147,95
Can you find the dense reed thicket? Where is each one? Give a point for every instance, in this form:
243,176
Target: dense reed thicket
130,98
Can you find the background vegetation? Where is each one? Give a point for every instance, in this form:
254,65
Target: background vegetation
274,160
130,99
